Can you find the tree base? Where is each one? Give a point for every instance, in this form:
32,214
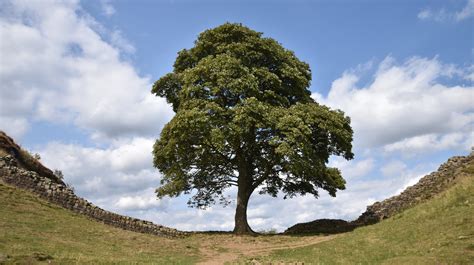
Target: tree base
245,230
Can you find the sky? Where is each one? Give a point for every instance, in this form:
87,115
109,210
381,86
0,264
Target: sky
75,81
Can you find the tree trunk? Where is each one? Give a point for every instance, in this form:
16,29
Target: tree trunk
243,194
241,225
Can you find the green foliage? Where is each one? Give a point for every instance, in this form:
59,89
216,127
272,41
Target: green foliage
245,117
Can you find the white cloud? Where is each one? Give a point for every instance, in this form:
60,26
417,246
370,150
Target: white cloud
107,8
353,168
14,127
56,67
469,73
438,15
466,12
120,42
146,201
393,168
97,173
424,14
442,14
404,101
430,142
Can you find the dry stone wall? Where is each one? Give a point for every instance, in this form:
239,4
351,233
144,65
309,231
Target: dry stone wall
426,188
62,195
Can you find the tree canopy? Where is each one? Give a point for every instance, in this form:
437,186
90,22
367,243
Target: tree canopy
245,118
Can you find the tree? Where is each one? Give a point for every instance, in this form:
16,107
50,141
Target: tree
245,118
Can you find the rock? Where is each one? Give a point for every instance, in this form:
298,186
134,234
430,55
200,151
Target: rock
41,256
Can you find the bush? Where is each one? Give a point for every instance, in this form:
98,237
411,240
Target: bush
58,173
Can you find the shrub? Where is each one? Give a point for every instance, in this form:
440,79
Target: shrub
58,173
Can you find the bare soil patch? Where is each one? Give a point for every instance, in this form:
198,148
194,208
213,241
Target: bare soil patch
222,248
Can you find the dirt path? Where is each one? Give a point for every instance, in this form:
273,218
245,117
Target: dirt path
227,248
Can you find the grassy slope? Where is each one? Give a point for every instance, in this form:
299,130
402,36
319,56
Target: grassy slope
440,231
31,229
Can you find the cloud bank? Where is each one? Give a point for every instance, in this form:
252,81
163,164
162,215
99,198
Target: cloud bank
442,15
58,67
406,107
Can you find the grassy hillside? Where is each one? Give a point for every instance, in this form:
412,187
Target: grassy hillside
33,230
440,231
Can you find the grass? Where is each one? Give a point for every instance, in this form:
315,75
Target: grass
440,231
32,230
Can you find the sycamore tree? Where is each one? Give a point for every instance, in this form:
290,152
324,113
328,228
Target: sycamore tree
245,118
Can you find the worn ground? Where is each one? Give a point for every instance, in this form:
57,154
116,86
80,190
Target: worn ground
223,248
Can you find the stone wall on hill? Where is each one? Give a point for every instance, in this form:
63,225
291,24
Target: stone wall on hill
58,193
426,188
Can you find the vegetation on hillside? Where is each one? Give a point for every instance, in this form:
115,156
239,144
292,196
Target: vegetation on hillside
439,231
33,230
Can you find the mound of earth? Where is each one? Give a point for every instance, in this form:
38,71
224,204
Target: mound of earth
322,226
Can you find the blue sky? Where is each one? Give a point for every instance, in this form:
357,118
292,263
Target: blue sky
331,36
75,79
